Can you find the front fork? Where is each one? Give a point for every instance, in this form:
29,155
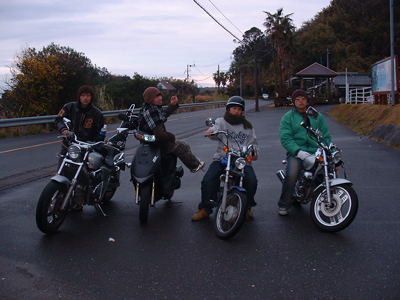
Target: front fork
327,182
152,193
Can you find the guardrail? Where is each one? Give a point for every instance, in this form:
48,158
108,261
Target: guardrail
16,122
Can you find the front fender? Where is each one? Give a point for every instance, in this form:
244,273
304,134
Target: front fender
336,181
61,179
241,189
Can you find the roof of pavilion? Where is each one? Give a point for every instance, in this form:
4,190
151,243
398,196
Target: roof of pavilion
316,70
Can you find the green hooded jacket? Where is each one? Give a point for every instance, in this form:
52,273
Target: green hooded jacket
295,138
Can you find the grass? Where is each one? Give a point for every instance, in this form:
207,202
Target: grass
363,118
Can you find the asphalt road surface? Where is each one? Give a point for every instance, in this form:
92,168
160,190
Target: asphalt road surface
272,257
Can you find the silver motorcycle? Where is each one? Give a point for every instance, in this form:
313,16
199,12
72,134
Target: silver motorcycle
88,175
334,202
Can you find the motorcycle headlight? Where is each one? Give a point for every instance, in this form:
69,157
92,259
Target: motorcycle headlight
240,163
336,157
74,152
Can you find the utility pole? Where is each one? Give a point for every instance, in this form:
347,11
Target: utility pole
187,71
394,83
255,77
219,80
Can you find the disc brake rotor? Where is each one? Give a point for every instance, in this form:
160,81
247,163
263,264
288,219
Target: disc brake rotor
333,209
230,213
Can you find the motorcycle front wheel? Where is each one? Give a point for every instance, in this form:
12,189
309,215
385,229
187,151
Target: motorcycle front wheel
145,197
111,191
49,215
227,224
341,212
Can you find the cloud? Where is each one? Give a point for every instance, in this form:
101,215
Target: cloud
153,38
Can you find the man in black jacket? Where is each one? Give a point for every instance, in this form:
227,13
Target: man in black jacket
86,119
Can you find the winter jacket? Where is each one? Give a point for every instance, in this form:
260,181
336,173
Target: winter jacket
86,122
245,136
294,137
165,139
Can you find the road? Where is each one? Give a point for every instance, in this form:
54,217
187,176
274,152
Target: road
171,257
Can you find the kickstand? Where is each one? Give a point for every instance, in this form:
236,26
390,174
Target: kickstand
98,207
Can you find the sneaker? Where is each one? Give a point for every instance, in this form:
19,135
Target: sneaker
249,215
200,215
282,211
199,167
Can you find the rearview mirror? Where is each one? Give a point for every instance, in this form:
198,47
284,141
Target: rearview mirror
312,112
210,122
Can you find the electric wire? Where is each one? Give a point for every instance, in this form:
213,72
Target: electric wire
226,17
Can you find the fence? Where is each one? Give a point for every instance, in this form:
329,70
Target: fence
16,122
361,96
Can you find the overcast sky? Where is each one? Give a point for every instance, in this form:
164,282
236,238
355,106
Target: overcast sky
154,38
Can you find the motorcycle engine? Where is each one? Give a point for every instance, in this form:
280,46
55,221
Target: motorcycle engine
303,184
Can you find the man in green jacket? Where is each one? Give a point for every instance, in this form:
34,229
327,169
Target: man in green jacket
298,144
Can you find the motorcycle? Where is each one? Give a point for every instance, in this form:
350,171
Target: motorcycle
334,202
231,203
88,175
153,177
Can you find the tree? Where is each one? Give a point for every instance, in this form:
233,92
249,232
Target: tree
42,81
249,59
280,29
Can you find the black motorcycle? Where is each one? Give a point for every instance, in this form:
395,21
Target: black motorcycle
88,175
153,177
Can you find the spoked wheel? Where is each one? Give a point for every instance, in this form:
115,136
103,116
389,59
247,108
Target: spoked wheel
227,224
341,212
145,197
49,216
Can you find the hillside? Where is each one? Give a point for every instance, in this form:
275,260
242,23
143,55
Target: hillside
381,122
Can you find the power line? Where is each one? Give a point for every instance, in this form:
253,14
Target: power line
226,17
217,21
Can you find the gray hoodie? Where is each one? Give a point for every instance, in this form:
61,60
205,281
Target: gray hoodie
244,136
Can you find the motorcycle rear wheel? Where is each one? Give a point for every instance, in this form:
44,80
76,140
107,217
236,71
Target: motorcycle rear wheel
49,216
227,224
340,214
145,197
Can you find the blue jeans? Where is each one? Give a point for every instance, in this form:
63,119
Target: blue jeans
210,185
293,169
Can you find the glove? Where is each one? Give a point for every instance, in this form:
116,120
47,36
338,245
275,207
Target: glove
302,154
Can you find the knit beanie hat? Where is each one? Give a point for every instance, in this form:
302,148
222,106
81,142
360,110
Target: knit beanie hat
298,93
85,89
150,93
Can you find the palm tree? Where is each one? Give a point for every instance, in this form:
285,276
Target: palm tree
280,30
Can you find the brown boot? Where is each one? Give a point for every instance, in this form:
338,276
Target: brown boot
200,215
249,215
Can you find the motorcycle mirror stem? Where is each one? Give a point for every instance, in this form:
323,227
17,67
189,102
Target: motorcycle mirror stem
312,112
67,122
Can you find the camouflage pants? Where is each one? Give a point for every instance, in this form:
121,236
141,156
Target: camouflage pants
184,153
